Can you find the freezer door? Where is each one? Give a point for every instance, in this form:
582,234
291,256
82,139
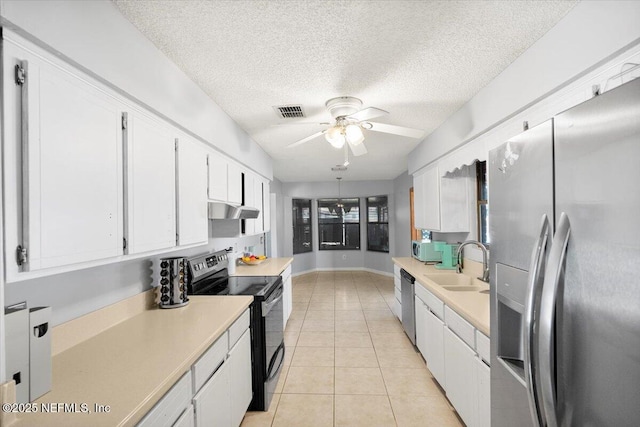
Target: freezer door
597,157
520,193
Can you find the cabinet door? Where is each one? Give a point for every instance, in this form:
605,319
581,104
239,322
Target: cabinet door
257,203
421,327
249,200
72,165
240,390
454,203
193,221
266,206
431,198
234,184
218,177
461,377
150,184
483,381
287,299
434,336
213,402
186,419
418,201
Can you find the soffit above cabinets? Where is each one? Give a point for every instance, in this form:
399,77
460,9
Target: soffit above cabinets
420,61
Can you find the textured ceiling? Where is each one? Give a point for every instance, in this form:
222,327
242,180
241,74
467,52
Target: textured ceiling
419,60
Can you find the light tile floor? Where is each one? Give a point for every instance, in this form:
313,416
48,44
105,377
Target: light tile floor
348,361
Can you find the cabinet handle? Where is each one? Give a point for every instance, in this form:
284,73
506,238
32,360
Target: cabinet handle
546,354
530,313
23,80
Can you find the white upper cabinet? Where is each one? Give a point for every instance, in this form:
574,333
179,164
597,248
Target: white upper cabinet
63,165
234,184
441,203
191,165
249,200
218,177
266,206
257,203
150,184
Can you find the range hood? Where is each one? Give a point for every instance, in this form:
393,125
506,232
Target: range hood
219,210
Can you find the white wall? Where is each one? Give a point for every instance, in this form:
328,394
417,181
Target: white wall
401,186
96,36
590,34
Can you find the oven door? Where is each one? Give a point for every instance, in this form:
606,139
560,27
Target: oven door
272,312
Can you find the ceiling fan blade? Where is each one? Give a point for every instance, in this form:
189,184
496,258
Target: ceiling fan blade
302,123
359,149
368,113
307,139
397,130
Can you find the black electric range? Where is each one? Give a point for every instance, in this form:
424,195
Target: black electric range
209,276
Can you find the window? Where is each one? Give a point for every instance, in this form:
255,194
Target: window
301,217
377,224
482,203
339,223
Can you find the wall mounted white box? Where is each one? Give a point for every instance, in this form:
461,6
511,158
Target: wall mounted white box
39,351
17,349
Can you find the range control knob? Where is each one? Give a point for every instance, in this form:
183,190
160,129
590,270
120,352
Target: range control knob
164,273
164,281
164,264
165,289
164,298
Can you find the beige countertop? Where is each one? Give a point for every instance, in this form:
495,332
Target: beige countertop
131,365
269,267
472,306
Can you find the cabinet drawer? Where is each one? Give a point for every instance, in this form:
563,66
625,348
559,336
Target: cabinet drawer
237,329
432,301
209,362
396,270
171,406
483,347
461,327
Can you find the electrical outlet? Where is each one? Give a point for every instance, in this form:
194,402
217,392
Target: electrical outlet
344,257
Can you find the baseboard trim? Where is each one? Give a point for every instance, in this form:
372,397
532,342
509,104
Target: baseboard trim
369,270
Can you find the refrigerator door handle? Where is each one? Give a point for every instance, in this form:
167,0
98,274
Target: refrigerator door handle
531,312
546,353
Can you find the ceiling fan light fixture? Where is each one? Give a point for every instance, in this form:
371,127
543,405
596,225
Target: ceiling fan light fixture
335,137
353,134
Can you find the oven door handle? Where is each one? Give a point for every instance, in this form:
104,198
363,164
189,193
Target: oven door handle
267,306
281,349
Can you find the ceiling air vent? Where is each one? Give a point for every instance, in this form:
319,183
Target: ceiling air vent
289,111
339,168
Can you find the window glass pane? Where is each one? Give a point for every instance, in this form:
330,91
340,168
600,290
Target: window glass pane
301,217
339,223
378,224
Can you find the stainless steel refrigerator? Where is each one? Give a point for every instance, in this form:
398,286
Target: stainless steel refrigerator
564,201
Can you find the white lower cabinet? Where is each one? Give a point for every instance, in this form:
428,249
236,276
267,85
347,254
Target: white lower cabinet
434,355
216,391
460,371
186,419
483,382
421,327
287,296
213,402
240,390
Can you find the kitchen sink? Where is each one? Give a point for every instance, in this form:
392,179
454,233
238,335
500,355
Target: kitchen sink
451,279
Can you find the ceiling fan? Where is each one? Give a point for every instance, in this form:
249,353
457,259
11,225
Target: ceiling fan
350,121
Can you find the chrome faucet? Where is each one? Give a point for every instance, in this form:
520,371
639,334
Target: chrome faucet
485,266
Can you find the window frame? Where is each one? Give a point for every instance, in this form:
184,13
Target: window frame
482,203
327,223
299,248
377,223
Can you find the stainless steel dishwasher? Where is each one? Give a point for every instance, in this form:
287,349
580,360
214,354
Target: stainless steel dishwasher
407,291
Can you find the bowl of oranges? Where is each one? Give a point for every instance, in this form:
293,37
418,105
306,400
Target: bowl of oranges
253,259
